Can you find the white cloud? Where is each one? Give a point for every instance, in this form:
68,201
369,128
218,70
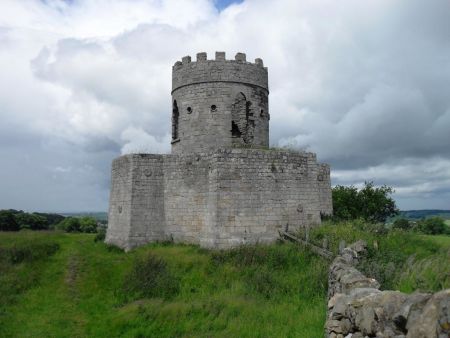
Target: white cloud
364,84
138,141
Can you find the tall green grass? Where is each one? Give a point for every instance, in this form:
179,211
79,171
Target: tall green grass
399,260
68,285
87,289
22,257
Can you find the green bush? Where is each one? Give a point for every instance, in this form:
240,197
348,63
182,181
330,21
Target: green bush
433,226
18,253
402,224
88,224
372,204
255,255
150,277
74,224
31,221
100,237
69,224
14,220
8,221
263,282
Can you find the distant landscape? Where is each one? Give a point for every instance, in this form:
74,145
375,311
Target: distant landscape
98,215
409,214
418,214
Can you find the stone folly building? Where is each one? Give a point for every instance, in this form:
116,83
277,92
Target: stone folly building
221,186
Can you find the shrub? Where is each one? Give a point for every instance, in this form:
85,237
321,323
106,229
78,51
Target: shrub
52,219
31,221
74,224
402,224
150,277
69,224
373,204
18,253
263,282
88,224
8,221
256,255
433,226
100,237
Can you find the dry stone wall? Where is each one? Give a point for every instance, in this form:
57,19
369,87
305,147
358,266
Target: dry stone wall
358,309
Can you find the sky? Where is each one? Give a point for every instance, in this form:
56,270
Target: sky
364,84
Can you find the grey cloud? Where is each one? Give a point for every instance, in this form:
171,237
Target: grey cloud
363,84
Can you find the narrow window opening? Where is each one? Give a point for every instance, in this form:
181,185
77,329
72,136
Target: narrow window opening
175,118
213,108
248,109
242,121
189,110
235,132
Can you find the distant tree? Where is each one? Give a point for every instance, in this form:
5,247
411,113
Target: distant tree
8,221
402,223
52,219
346,203
69,224
88,224
433,226
373,204
31,221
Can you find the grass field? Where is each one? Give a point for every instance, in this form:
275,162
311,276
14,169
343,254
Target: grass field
65,285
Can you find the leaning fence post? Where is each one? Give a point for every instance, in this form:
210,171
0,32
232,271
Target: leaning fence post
325,243
341,246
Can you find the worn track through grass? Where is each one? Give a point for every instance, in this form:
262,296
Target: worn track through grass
279,290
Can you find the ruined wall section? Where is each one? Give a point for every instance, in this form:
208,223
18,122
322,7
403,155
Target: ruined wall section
119,216
219,199
325,193
188,206
136,213
260,192
205,93
147,199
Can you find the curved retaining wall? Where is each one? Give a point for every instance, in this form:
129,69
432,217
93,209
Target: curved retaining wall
357,308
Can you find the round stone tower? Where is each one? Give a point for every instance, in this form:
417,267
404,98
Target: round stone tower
219,104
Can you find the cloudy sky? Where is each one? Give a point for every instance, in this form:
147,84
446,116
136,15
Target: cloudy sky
365,84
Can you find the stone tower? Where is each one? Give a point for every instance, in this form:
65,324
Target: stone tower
219,104
222,186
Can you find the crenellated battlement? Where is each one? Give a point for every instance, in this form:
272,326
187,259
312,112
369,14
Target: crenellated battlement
187,72
220,56
221,186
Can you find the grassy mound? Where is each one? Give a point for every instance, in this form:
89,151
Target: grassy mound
68,285
87,289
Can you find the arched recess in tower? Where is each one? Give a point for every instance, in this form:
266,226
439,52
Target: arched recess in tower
242,122
175,118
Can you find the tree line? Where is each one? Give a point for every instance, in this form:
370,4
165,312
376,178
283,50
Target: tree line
375,205
372,204
15,220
